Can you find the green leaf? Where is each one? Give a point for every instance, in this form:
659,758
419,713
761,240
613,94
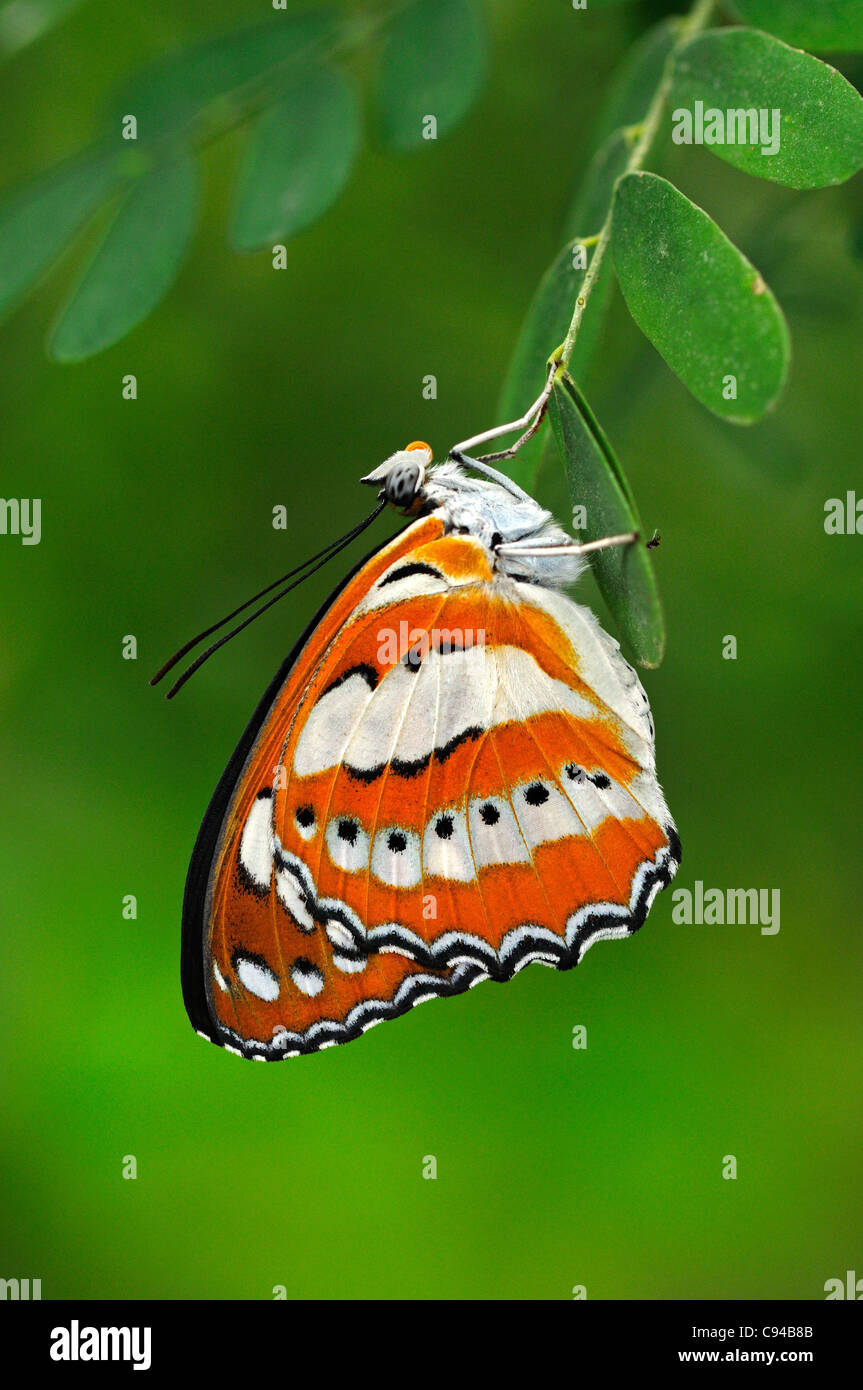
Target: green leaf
37,221
432,65
171,93
298,160
775,112
698,299
135,264
827,25
22,22
635,82
624,573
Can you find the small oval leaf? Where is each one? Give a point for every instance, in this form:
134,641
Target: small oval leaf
830,26
432,67
172,92
135,264
768,109
299,159
701,303
37,221
624,573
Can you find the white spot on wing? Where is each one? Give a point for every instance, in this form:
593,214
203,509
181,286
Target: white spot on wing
293,899
593,805
494,834
329,727
448,695
307,978
257,978
421,726
348,844
524,689
411,586
350,964
448,856
397,857
600,664
550,819
256,842
306,832
339,935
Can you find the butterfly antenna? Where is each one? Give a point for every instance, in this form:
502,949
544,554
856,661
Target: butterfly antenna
304,570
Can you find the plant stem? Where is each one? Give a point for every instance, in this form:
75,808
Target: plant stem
697,19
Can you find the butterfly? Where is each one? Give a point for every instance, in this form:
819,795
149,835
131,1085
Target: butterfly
451,775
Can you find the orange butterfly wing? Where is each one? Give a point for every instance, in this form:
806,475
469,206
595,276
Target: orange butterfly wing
451,777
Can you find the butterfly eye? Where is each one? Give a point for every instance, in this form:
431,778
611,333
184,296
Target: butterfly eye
403,483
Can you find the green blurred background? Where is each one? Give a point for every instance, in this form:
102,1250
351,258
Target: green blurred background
556,1167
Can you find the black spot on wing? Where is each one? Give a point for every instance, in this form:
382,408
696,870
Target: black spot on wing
347,830
307,978
413,769
413,660
239,955
439,755
405,572
442,644
305,892
577,774
368,674
244,882
674,844
364,774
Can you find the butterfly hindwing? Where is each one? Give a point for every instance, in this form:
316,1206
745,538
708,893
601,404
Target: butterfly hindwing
453,775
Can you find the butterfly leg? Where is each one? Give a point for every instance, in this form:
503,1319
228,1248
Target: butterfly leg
532,419
481,466
602,543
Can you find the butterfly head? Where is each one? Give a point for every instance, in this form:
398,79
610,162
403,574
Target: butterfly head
402,475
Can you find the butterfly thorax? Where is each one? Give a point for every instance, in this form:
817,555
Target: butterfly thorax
494,516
